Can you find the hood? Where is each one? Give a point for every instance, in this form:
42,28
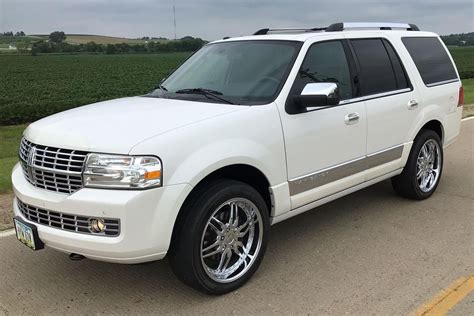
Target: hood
115,126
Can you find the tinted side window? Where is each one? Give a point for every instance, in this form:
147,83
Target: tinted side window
400,74
430,58
325,62
376,73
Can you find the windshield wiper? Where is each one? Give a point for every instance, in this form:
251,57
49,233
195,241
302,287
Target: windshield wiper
205,92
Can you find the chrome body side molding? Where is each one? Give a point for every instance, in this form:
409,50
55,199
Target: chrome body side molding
325,176
335,196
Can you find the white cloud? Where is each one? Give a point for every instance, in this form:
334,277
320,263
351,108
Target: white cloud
211,19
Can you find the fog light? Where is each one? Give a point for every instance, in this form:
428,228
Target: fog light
96,225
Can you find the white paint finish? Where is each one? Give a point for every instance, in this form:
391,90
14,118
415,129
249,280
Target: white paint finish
320,139
115,126
147,219
381,170
389,120
252,137
193,139
281,201
327,199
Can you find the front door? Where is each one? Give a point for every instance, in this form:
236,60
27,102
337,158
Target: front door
325,146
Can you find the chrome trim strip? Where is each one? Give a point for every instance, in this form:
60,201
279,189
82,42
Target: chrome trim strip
434,84
331,197
67,222
326,176
373,96
340,171
384,156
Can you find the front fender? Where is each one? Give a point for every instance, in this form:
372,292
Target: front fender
216,155
191,153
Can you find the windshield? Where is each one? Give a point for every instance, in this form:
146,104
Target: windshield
240,72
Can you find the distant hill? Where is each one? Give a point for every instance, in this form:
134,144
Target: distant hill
98,39
463,39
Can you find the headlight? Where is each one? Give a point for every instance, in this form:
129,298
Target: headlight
122,172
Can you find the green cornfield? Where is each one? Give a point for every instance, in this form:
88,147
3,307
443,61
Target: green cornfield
32,87
464,59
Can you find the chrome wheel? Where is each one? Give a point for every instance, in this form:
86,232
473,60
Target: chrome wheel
428,165
231,240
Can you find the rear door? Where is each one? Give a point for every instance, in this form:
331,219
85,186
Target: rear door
392,103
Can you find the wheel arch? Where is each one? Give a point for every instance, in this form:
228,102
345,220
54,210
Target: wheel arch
241,172
434,125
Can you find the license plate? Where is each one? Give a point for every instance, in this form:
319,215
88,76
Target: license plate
27,234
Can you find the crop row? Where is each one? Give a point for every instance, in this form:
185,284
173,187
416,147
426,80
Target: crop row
34,87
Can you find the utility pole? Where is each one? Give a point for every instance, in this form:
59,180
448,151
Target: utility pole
174,18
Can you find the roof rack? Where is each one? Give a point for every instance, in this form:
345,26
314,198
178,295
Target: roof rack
337,27
288,30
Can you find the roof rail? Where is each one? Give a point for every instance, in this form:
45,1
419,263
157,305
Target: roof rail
288,30
337,27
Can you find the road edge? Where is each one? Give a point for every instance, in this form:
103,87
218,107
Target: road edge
7,232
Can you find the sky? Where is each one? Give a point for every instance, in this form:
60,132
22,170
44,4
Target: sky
214,19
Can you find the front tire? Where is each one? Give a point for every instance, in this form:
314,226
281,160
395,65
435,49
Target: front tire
423,169
222,238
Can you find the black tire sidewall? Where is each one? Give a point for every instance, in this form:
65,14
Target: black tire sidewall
422,138
203,209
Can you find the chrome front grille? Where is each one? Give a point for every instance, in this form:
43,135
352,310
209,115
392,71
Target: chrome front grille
51,168
69,222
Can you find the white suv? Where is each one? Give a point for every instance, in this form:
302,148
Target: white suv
246,133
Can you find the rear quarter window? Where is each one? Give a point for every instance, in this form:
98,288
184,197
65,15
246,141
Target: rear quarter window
431,59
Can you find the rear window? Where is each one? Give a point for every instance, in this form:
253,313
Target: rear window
431,59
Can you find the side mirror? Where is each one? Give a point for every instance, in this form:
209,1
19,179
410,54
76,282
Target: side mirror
318,94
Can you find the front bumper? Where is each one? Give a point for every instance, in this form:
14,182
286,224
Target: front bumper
146,217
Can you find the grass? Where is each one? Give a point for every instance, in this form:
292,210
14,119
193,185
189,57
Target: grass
468,85
464,59
9,139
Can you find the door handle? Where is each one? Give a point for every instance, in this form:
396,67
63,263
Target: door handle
412,104
352,118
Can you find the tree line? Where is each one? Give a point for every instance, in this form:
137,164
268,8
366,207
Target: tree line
182,45
463,39
11,34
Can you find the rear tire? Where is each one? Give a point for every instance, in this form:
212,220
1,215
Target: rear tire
222,238
423,169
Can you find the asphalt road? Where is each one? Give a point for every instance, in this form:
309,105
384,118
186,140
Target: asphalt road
371,252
